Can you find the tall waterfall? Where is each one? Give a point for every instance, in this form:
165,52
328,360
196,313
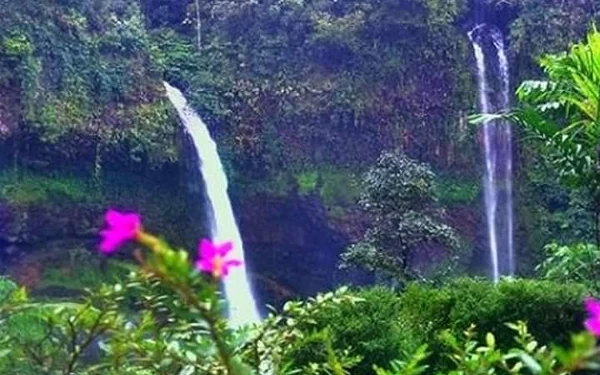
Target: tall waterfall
494,95
242,306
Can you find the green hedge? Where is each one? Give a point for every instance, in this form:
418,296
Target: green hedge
551,310
389,325
370,328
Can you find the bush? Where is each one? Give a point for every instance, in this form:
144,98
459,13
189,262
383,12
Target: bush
573,263
388,325
551,310
7,287
470,355
369,328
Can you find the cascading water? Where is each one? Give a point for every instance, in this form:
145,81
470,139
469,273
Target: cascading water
506,142
494,88
242,306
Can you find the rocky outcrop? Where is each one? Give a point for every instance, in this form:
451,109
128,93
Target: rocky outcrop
24,228
292,248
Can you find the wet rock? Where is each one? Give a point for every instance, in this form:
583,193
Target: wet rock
292,248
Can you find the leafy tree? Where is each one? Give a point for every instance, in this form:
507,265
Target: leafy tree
398,195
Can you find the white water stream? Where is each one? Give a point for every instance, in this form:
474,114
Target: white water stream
242,305
497,144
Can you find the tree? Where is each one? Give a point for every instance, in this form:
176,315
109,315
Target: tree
562,113
398,195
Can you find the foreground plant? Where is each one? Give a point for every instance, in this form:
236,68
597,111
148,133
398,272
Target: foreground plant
470,356
168,318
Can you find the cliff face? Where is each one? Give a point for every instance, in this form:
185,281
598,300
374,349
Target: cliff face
83,86
302,96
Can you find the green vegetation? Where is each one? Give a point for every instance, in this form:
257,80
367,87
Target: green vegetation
25,188
398,195
575,263
371,329
334,333
312,84
389,324
79,102
301,97
551,310
338,188
452,191
78,270
560,115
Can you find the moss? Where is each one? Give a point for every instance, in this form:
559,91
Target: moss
452,191
16,45
26,188
87,78
339,187
165,205
154,132
307,182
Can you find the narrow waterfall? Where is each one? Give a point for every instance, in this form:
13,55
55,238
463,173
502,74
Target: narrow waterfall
506,142
242,306
494,95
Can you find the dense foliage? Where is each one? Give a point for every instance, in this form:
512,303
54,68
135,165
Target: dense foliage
303,83
167,319
575,263
370,329
550,310
302,95
406,221
87,80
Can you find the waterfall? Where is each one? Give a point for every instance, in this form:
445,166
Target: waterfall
223,226
507,149
494,95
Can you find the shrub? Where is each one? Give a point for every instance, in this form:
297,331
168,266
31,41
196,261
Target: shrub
389,325
472,356
575,263
551,311
7,287
166,318
370,329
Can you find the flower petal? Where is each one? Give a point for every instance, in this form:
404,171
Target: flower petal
113,217
224,248
131,221
593,326
206,249
233,263
204,265
592,306
110,242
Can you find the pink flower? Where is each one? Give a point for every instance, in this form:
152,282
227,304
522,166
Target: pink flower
212,258
122,227
592,324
